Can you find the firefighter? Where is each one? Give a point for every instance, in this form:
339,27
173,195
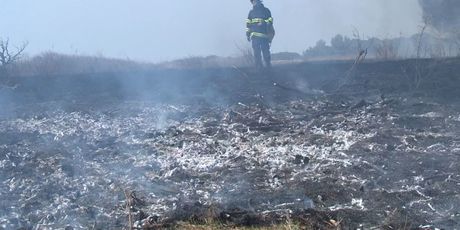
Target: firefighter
259,30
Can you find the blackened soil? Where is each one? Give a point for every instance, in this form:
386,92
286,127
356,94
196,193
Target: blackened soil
327,144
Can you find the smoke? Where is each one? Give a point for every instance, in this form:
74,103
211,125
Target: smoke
6,102
443,15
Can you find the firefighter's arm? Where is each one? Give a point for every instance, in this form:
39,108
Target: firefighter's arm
269,19
248,30
270,27
248,27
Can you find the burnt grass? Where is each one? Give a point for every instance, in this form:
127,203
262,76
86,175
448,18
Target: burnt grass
326,145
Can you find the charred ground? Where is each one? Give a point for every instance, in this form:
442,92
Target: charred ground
326,144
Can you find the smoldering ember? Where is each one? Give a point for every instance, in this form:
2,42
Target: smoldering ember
330,145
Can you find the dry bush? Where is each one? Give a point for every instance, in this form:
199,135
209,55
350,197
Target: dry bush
246,55
50,63
197,62
387,50
419,73
421,69
438,50
456,41
193,62
359,39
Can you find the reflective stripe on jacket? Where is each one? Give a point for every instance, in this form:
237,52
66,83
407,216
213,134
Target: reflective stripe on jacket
260,22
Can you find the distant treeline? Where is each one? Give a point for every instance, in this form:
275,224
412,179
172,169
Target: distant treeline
422,45
418,45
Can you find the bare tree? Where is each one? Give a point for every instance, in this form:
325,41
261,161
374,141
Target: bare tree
7,56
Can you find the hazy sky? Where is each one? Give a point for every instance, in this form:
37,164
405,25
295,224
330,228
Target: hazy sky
156,30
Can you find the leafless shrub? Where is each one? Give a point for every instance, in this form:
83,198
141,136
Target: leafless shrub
198,62
246,55
192,62
360,57
456,41
387,50
438,50
419,74
422,69
243,58
357,36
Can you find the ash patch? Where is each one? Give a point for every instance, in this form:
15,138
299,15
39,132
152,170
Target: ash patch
369,164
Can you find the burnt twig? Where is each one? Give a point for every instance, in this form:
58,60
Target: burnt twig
129,202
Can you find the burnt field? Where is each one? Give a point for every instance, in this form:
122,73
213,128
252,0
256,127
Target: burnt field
326,145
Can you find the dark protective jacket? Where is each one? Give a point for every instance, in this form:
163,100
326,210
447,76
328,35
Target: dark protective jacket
260,23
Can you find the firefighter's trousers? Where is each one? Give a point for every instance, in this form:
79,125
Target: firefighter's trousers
261,46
